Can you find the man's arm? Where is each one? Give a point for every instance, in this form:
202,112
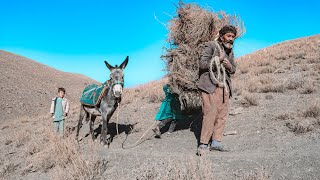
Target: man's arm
230,65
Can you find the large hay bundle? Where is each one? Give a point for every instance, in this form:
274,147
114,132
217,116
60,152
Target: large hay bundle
188,32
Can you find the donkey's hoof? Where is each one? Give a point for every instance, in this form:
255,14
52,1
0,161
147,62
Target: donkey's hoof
105,146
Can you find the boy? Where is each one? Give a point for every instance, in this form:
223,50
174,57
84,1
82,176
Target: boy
59,111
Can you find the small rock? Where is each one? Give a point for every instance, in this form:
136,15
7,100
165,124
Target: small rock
230,133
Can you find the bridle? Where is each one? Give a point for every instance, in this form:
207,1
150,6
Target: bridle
114,83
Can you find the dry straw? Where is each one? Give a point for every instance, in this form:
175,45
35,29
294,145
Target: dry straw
188,31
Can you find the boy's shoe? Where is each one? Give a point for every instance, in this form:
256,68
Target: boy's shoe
172,127
202,149
157,132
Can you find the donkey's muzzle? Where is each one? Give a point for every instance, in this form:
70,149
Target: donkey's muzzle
117,90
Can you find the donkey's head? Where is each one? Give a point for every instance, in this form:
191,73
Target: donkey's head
116,77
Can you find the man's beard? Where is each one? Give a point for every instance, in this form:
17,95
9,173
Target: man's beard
228,45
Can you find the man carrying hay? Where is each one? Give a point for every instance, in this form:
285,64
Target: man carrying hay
216,65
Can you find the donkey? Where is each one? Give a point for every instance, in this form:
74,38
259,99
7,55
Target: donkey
108,104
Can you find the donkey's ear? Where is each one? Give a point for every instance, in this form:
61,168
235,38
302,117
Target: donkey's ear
125,62
109,66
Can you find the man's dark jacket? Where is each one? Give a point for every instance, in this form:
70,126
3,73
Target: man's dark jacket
210,50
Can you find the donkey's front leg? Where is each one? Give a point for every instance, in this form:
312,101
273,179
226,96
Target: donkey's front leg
104,129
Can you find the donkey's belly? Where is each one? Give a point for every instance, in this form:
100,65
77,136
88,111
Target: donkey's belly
92,111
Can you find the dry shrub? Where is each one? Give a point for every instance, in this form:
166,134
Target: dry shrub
299,55
303,126
279,71
7,142
20,138
266,80
316,67
63,157
313,60
285,116
188,31
253,84
281,56
265,70
237,90
4,127
265,62
171,169
243,68
269,96
7,170
309,87
312,111
294,83
249,100
304,67
274,88
257,174
265,84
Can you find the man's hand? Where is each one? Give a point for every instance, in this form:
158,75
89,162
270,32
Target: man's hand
222,57
227,64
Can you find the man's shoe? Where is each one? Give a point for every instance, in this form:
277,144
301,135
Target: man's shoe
202,149
218,148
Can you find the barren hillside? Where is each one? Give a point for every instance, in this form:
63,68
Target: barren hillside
275,111
27,86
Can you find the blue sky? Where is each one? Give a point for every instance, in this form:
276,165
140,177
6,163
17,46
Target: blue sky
77,36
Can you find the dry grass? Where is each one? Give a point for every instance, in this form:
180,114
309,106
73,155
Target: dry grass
269,96
312,111
265,84
302,126
7,170
285,116
309,87
61,158
257,174
193,168
273,88
294,82
249,100
152,91
265,70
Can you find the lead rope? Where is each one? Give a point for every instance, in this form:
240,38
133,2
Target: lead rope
138,141
216,60
117,125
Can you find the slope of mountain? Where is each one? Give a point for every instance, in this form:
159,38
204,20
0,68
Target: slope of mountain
27,87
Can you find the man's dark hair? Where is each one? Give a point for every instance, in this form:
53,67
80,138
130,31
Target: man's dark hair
226,29
61,89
